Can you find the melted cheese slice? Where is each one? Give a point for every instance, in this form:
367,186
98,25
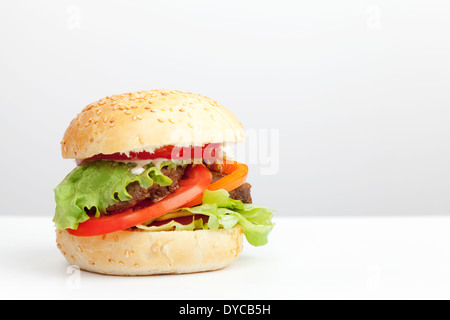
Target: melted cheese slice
173,215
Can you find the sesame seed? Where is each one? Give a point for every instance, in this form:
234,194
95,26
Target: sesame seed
129,253
160,120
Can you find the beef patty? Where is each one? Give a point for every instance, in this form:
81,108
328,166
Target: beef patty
242,193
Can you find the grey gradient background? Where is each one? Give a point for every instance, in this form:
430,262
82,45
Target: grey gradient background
357,91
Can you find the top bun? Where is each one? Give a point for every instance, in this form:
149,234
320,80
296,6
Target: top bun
147,120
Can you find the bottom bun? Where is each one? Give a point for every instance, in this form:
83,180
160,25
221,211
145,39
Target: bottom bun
139,252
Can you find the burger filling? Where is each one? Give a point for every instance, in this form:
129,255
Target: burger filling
102,187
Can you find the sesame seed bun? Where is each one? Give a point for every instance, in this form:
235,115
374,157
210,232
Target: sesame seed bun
147,120
140,252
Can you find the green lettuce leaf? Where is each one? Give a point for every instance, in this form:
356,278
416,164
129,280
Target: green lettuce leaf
224,212
98,185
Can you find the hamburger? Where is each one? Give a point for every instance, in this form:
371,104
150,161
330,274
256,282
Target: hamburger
153,191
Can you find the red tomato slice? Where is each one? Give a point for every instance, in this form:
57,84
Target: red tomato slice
210,152
196,180
236,176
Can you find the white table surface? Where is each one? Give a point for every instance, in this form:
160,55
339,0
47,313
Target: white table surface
306,258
